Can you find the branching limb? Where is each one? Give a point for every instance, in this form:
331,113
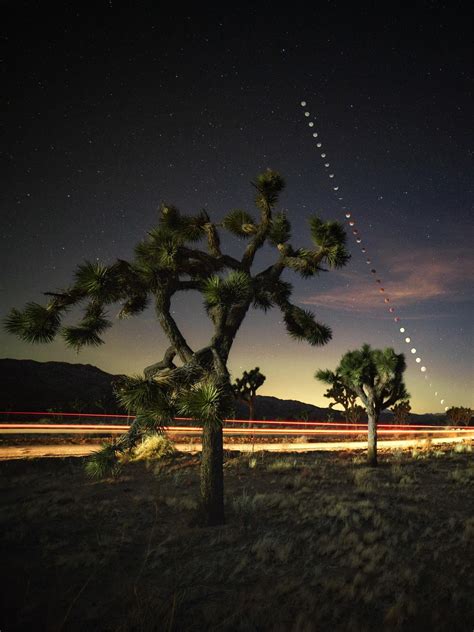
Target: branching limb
166,363
171,329
211,263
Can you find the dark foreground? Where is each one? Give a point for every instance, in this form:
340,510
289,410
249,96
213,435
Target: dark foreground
312,542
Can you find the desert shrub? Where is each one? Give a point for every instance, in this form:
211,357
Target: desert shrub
465,446
243,506
238,462
468,533
180,503
153,447
463,475
270,548
364,480
104,463
282,465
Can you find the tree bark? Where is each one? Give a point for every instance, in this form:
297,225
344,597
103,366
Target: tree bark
251,410
372,438
251,417
212,474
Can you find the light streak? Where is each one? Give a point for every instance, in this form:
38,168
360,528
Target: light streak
330,424
60,414
105,429
74,450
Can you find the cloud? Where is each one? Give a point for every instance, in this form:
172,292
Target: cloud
408,278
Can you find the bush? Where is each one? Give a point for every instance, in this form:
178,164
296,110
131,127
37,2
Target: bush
282,465
103,463
154,446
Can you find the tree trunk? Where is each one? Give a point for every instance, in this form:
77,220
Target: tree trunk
212,474
372,416
251,411
251,417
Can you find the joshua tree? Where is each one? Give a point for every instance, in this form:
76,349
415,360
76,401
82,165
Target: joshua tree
377,378
168,261
245,388
459,415
401,411
341,394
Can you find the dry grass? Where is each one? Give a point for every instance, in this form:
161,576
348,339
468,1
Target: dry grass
153,447
312,542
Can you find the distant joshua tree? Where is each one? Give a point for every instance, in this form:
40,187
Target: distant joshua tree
166,262
459,415
377,378
341,394
401,411
245,388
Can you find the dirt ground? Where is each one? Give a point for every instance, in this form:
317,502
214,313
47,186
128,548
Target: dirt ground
313,541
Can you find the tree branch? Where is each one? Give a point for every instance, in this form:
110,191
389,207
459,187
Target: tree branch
212,262
170,327
167,363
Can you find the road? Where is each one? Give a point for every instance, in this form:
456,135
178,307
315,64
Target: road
58,450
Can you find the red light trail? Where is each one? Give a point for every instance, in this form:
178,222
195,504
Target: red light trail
319,436
19,428
331,424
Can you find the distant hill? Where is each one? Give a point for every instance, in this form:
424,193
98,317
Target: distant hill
40,386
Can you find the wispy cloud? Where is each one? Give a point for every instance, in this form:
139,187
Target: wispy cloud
408,278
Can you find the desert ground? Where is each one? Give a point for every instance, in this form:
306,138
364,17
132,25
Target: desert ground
313,541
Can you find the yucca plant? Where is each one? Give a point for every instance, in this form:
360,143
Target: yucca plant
341,394
183,253
245,388
104,462
376,376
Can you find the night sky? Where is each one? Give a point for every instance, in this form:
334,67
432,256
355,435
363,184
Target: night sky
113,110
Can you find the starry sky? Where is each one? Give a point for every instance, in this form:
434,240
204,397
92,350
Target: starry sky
111,110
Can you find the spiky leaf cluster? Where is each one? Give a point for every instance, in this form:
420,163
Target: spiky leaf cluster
89,329
269,185
301,325
36,323
134,306
97,281
104,462
280,230
330,237
305,262
270,292
207,402
239,223
232,290
146,397
160,250
189,228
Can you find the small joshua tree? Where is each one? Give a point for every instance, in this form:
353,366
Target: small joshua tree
245,388
401,411
377,378
341,394
167,262
459,415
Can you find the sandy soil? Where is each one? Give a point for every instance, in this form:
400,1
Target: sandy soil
313,541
